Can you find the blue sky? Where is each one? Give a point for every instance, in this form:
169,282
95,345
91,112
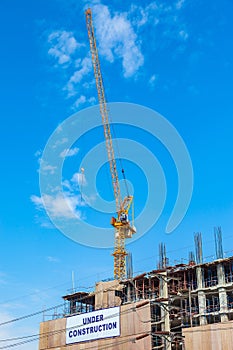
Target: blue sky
174,57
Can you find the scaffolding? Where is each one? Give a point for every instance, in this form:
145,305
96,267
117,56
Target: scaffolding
180,296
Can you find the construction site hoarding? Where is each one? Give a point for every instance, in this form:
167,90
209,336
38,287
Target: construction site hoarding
135,329
93,325
217,336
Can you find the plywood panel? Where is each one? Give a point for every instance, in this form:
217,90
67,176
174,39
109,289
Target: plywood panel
105,294
52,334
216,336
134,321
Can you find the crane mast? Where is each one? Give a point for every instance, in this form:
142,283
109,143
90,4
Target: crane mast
123,228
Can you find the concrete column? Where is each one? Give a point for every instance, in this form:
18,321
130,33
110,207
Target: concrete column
200,281
223,304
221,275
163,293
201,296
202,307
222,293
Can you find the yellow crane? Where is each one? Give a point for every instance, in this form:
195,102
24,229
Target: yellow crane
123,227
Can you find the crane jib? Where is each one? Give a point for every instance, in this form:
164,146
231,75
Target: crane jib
123,228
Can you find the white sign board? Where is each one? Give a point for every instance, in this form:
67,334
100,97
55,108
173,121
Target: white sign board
93,325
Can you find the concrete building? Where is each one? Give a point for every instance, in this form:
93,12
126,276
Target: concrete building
185,306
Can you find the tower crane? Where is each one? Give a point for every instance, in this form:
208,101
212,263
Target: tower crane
123,227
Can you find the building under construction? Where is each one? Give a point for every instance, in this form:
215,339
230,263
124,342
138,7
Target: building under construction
180,306
184,306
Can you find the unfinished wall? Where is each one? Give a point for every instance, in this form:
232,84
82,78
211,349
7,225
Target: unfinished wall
218,336
135,322
105,294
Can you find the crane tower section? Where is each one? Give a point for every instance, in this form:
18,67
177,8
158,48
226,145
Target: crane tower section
122,225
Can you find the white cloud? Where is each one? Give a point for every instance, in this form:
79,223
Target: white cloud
38,153
145,15
60,142
88,84
69,152
139,16
12,330
159,13
67,185
37,201
58,206
117,39
5,331
52,259
180,4
153,80
44,221
79,179
81,100
59,129
47,168
63,45
92,100
63,205
84,68
183,34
